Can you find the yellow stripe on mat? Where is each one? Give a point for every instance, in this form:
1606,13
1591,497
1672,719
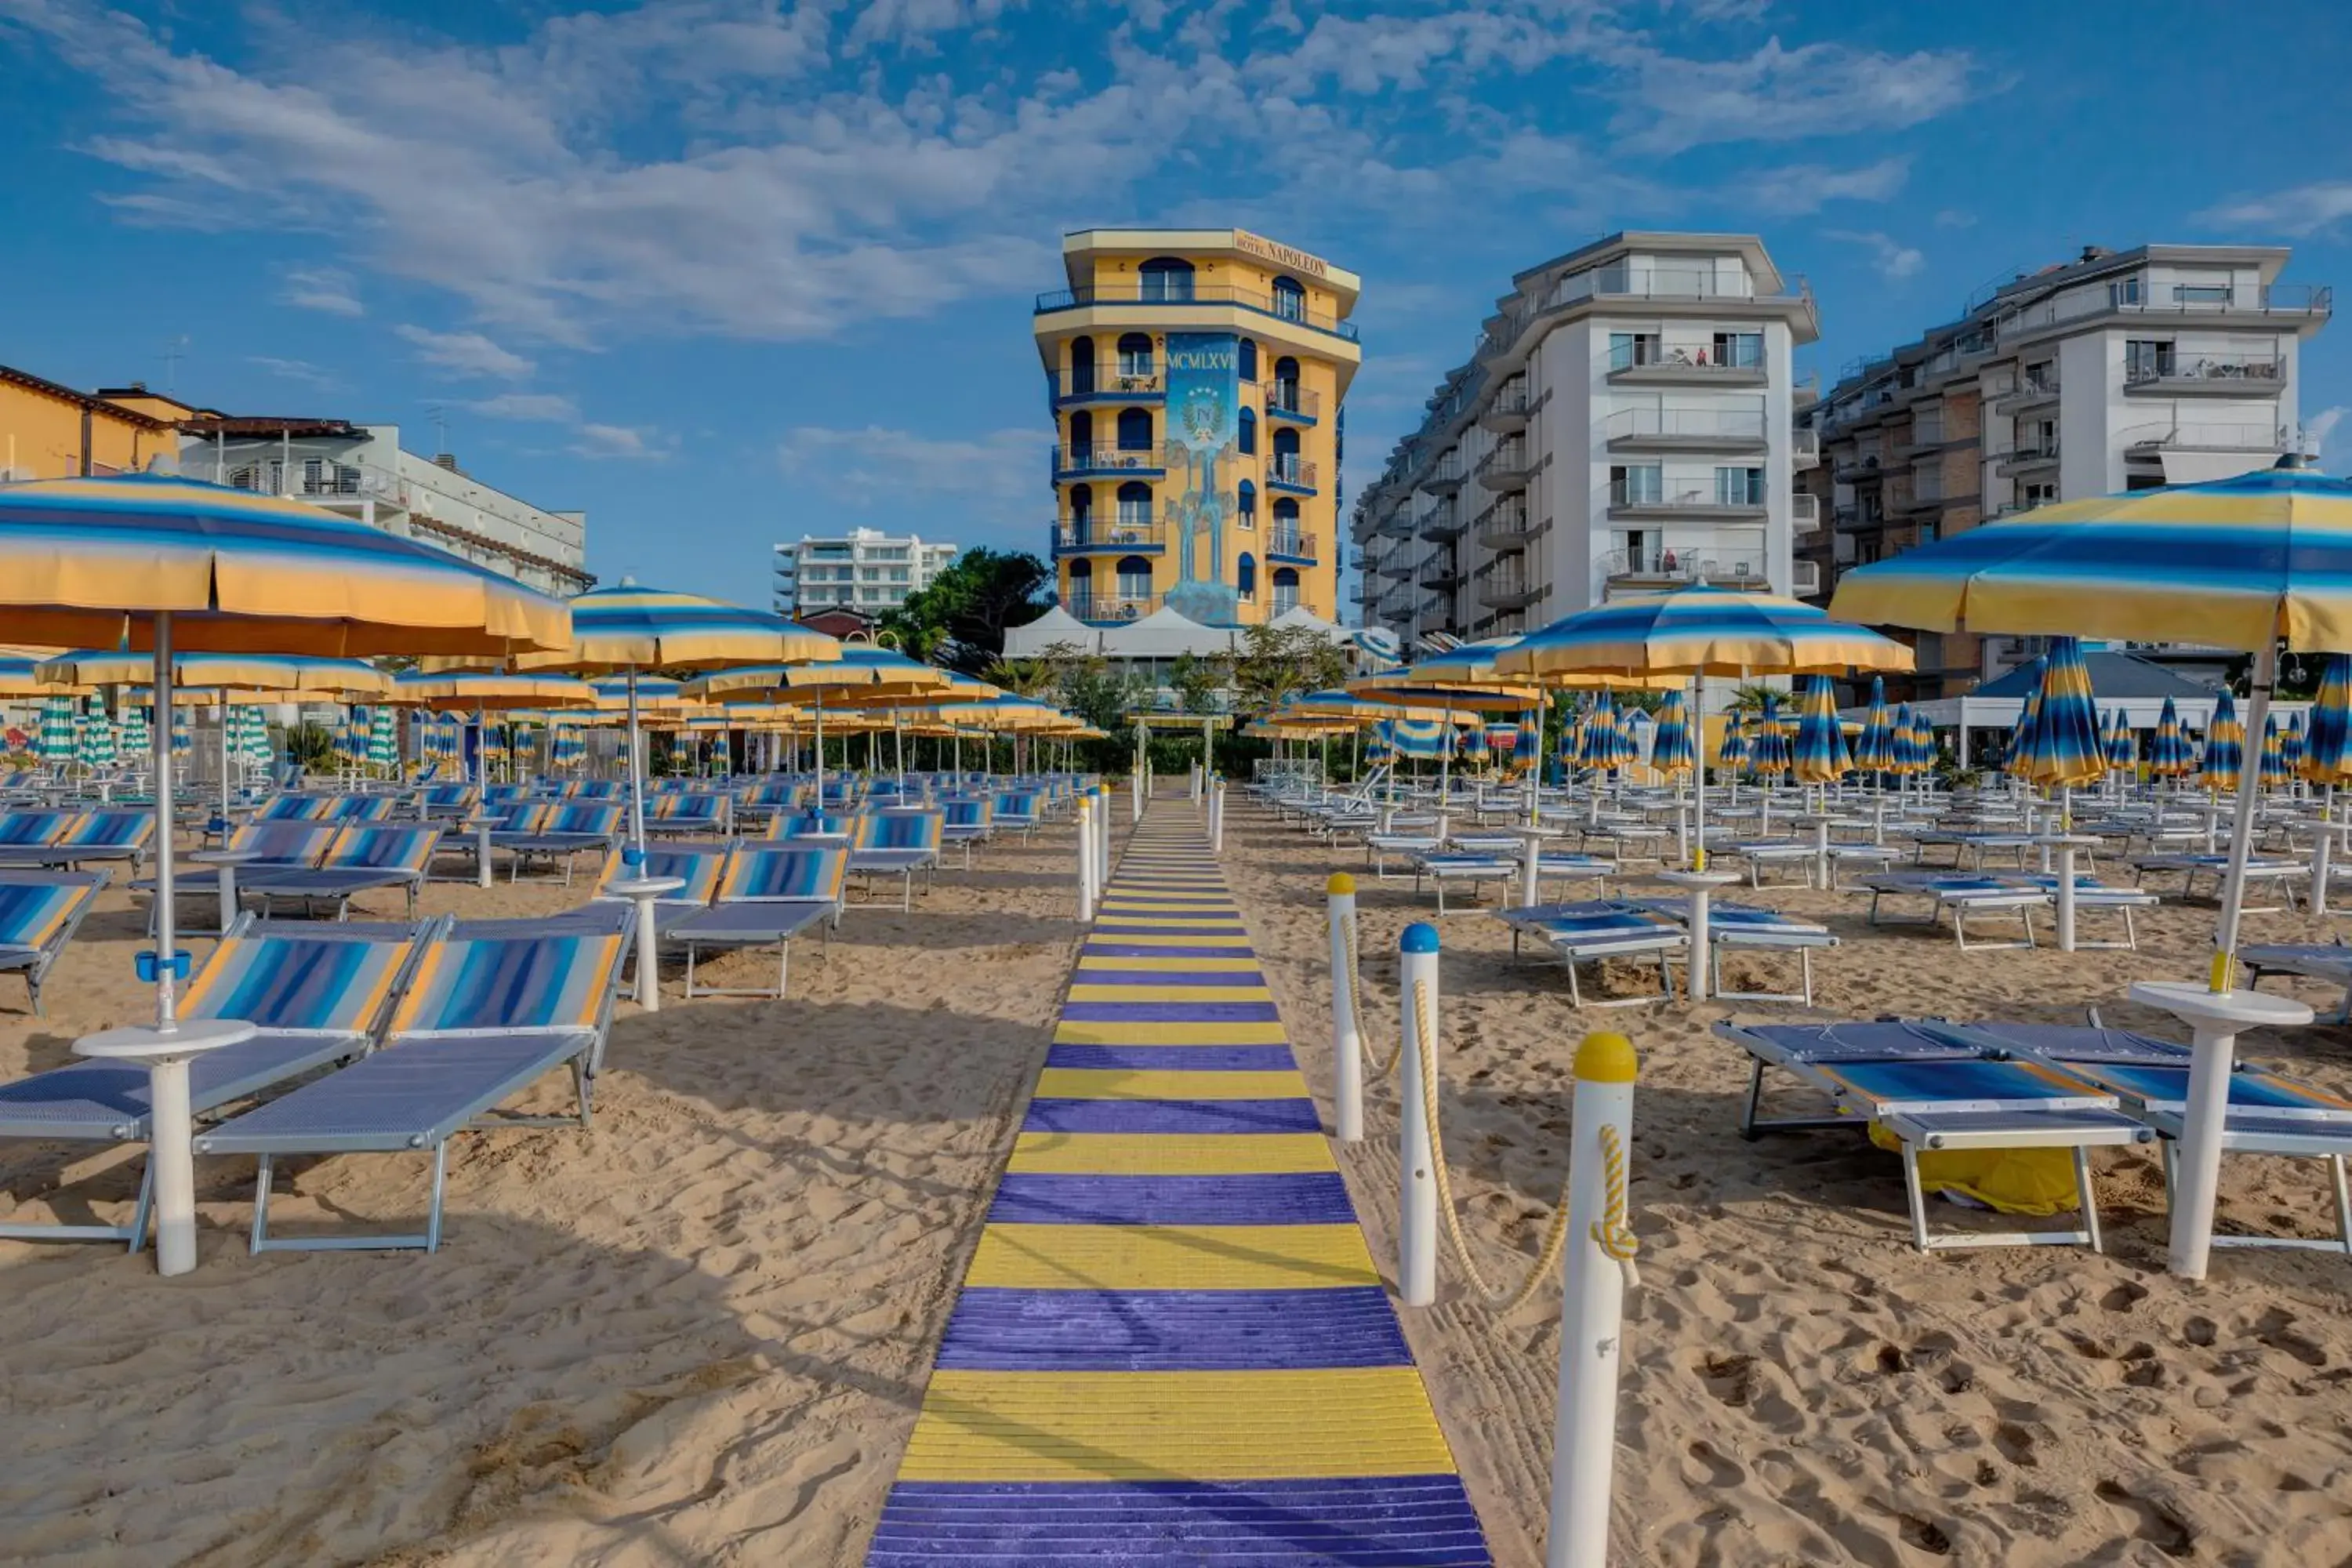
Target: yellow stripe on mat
1241,988
1073,1033
1120,1083
1171,1258
1177,965
1175,1426
1171,1153
1232,939
1178,923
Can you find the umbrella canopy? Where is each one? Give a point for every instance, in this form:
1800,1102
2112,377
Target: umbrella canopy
56,738
1734,749
2020,735
136,738
2327,749
216,671
20,676
490,690
1673,749
2276,773
2225,746
1472,746
1422,739
2292,745
2169,754
1399,692
858,669
1768,752
96,737
630,626
1820,754
2063,749
1700,630
1901,745
1874,751
1597,745
2122,746
384,738
1923,744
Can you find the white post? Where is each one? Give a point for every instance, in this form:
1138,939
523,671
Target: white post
2324,852
1216,817
2242,830
648,955
1086,859
482,848
1592,1305
174,1164
1417,1204
167,913
1531,838
2065,897
1102,838
1347,1046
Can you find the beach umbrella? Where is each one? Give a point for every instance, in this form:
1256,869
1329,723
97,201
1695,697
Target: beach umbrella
1597,746
1673,751
1903,751
2122,746
1420,740
1768,751
2292,745
184,739
1821,757
2169,754
384,740
135,738
2327,746
1733,752
1874,751
2062,749
1503,739
56,738
1923,744
2225,747
2277,773
1473,748
94,739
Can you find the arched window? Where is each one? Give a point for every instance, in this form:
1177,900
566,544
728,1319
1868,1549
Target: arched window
1082,364
1082,586
1285,514
1245,575
1135,430
1286,589
1082,509
1134,577
1285,466
1167,278
1134,504
1082,439
1245,504
1248,431
1289,300
1135,356
1285,391
1249,359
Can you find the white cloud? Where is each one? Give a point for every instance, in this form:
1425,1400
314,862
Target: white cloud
544,408
990,478
1669,103
2320,431
327,289
2298,210
1893,260
598,442
466,353
1953,217
1802,188
915,24
296,370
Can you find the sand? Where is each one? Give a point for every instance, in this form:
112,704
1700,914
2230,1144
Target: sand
696,1334
1801,1385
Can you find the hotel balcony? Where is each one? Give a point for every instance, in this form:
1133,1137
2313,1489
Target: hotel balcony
1804,449
1088,462
1083,386
1289,471
1441,572
1499,590
1636,571
2023,459
1509,410
1804,515
1445,523
1109,606
2169,437
1193,296
2206,375
1506,468
1287,401
2030,393
1504,526
1445,475
1394,524
1399,564
1857,467
1650,363
1635,503
1685,430
1804,579
1288,544
1093,535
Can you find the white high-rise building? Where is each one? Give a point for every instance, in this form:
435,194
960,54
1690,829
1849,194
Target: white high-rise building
1625,425
865,570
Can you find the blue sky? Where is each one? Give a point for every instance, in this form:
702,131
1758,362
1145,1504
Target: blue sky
722,272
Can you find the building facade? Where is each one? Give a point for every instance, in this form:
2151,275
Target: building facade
1195,378
1626,425
49,431
2115,371
865,570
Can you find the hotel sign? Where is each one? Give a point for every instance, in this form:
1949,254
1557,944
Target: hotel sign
1280,254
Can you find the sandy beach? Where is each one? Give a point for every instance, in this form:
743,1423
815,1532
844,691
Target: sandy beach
696,1334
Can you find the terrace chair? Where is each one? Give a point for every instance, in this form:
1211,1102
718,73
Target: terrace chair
1931,1091
361,857
91,835
1957,894
39,911
279,845
902,842
1598,929
482,1020
316,996
562,833
769,894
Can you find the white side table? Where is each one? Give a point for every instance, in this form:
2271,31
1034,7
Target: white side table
645,891
1701,886
1532,840
227,861
481,825
2062,848
170,1126
2215,1020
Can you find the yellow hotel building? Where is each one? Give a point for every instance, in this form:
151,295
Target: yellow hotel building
1195,378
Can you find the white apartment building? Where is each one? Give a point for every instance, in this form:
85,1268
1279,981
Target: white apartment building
2117,371
1625,425
867,569
362,473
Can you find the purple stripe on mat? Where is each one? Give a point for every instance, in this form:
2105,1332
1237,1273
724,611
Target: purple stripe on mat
1170,1012
1200,979
1310,1197
1377,1521
1174,1059
1171,1330
1146,950
1172,1116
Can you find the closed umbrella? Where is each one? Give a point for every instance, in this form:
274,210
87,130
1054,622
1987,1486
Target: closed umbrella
2328,761
383,741
2225,747
2021,738
1732,754
1673,749
2062,748
1821,755
1474,749
95,747
2276,772
136,739
2292,745
57,740
2170,753
1768,752
1875,751
2122,749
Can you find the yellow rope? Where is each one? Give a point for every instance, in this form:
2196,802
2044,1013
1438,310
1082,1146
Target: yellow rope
1610,1233
1379,1070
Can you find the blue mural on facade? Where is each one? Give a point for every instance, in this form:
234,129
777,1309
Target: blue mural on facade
1203,416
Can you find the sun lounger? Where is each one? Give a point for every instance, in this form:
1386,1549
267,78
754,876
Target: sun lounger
1479,869
697,865
316,997
2328,961
1932,1091
969,821
1735,926
769,894
1957,894
265,847
2094,897
361,857
90,836
562,833
1757,854
2261,870
1601,929
1969,847
448,800
22,829
481,1021
838,827
1018,811
688,813
39,911
898,842
328,808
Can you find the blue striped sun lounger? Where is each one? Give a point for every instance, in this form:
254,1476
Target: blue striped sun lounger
1736,926
2269,870
1479,868
697,865
561,835
2328,961
2269,1112
2094,896
87,837
1597,929
316,997
482,1020
21,830
39,911
361,857
825,826
767,895
448,800
898,842
1933,1090
267,846
689,811
969,821
1959,895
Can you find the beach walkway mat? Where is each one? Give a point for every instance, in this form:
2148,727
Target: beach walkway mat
1171,1345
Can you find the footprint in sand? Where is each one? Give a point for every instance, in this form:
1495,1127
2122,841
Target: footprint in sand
2151,1522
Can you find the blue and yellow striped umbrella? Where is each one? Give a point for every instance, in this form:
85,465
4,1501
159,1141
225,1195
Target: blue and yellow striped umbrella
1923,744
1673,751
1597,746
1821,755
2225,747
1420,740
1473,748
1914,743
2276,773
1699,630
2327,748
2020,737
1768,752
2122,746
2065,749
184,739
2235,562
1733,750
2293,744
2170,753
223,671
629,626
1874,751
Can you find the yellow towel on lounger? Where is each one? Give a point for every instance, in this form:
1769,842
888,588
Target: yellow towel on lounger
2038,1182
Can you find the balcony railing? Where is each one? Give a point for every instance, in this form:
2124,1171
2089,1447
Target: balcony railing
2214,373
2031,390
1689,427
1290,542
1445,475
1734,568
2173,438
1289,398
1504,589
1110,533
1107,460
1511,407
1445,523
1805,448
1504,527
2030,453
1108,382
1280,307
1804,514
1509,462
1111,606
1289,469
1743,364
1698,498
2135,296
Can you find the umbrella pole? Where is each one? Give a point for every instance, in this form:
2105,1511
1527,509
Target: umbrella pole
167,1010
637,773
2242,829
1698,775
224,765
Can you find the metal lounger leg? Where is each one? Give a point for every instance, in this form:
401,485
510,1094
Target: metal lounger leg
2342,1202
257,1240
2090,1197
440,1190
1917,1198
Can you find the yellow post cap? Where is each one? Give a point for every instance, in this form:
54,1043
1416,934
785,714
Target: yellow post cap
1341,882
1606,1057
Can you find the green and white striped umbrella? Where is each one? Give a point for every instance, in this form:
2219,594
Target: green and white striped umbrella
384,740
56,743
136,739
96,749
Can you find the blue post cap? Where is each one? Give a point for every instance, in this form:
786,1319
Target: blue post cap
632,857
1419,937
149,966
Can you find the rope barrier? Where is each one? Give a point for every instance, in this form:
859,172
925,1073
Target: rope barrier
1379,1070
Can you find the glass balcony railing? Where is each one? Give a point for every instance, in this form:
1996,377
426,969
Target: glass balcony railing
1281,307
1287,398
2220,373
1108,382
1738,568
1105,460
1290,542
1109,605
1289,469
1687,424
1108,533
